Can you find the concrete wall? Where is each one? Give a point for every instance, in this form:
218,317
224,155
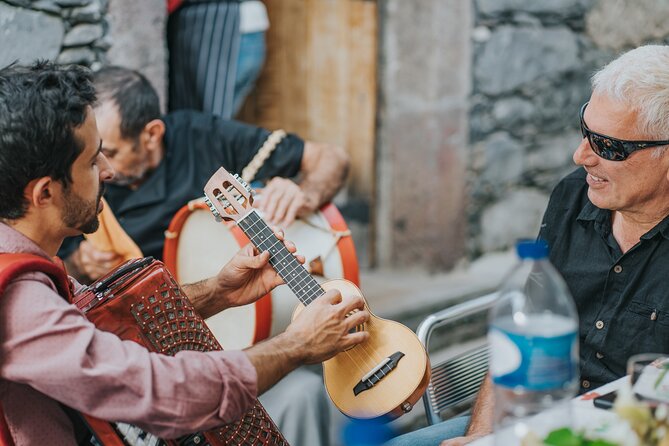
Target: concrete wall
138,31
425,58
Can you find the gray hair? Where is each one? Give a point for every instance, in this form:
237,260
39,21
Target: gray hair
640,78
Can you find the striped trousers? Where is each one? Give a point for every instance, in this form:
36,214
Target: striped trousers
203,41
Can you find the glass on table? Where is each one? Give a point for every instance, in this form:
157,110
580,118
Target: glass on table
649,377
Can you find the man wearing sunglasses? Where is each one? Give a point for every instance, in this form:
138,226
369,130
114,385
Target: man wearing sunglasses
608,228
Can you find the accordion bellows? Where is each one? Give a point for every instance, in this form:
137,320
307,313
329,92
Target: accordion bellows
141,301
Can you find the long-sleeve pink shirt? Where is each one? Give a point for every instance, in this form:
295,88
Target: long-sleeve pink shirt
50,353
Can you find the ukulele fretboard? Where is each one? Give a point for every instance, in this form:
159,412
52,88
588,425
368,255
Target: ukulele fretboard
298,279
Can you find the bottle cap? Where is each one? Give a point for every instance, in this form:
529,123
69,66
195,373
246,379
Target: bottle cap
532,249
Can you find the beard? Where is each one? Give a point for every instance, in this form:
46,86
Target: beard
82,214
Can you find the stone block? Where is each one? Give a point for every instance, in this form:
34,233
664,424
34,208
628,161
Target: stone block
28,35
512,112
91,13
83,35
554,152
72,3
516,216
21,3
46,5
504,159
644,20
558,103
516,56
81,56
565,8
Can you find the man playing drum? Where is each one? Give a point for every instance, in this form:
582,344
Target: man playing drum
52,171
161,163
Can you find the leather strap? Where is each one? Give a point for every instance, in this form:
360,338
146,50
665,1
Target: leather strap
12,266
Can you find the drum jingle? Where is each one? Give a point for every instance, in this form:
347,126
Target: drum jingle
197,247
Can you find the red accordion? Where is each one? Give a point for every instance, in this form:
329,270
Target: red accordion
141,301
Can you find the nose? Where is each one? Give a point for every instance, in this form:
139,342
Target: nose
106,169
584,156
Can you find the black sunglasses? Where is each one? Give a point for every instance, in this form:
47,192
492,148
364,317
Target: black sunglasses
613,149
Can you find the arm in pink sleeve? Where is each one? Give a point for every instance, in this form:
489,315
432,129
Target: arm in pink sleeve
48,344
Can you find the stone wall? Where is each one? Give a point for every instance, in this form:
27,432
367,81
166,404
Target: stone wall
67,31
532,61
87,32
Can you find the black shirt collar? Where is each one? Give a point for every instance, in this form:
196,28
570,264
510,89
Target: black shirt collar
602,219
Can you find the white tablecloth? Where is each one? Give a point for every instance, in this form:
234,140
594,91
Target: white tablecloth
585,416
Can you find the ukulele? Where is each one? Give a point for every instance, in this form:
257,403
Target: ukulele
382,377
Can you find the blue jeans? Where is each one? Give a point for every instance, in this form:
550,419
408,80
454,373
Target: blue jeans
432,435
249,64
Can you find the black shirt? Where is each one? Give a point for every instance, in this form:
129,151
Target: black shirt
196,145
622,299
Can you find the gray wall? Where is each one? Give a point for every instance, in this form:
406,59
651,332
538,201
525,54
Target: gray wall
532,61
87,32
478,115
425,59
68,31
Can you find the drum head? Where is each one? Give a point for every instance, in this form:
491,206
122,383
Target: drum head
203,248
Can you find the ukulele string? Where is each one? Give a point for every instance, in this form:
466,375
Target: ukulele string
365,357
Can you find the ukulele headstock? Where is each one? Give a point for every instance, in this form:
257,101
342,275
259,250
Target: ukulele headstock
228,196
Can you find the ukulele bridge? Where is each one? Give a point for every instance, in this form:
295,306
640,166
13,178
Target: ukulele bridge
374,376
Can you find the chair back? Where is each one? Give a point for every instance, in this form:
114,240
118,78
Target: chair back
456,379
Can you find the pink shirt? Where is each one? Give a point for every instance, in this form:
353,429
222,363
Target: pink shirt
50,353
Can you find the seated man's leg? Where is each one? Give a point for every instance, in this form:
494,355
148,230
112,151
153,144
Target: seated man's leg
298,405
432,435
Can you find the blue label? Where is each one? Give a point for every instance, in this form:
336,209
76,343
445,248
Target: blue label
533,362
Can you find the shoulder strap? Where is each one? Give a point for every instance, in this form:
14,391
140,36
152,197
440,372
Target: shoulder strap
12,266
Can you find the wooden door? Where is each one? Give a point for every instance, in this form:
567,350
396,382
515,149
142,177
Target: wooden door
319,79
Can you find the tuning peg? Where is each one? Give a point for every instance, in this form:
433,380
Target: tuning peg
214,211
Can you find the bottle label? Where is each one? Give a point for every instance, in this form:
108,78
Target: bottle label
533,362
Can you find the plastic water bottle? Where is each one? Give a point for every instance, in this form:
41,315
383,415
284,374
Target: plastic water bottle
534,348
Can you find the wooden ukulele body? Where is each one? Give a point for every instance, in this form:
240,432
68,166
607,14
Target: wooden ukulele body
399,389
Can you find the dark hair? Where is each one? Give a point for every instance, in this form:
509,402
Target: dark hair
135,97
40,108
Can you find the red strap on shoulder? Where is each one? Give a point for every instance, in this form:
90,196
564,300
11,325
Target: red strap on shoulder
12,266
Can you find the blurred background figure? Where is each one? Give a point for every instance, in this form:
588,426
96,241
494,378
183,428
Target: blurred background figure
216,51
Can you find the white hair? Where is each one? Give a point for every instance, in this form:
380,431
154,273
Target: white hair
640,78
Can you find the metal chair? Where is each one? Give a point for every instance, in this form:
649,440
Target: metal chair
455,381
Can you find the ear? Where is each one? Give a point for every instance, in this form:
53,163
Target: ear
40,192
153,134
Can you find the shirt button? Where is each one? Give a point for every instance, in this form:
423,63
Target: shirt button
599,325
617,269
585,383
599,355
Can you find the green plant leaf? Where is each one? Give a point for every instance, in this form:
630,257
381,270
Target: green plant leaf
567,437
564,437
